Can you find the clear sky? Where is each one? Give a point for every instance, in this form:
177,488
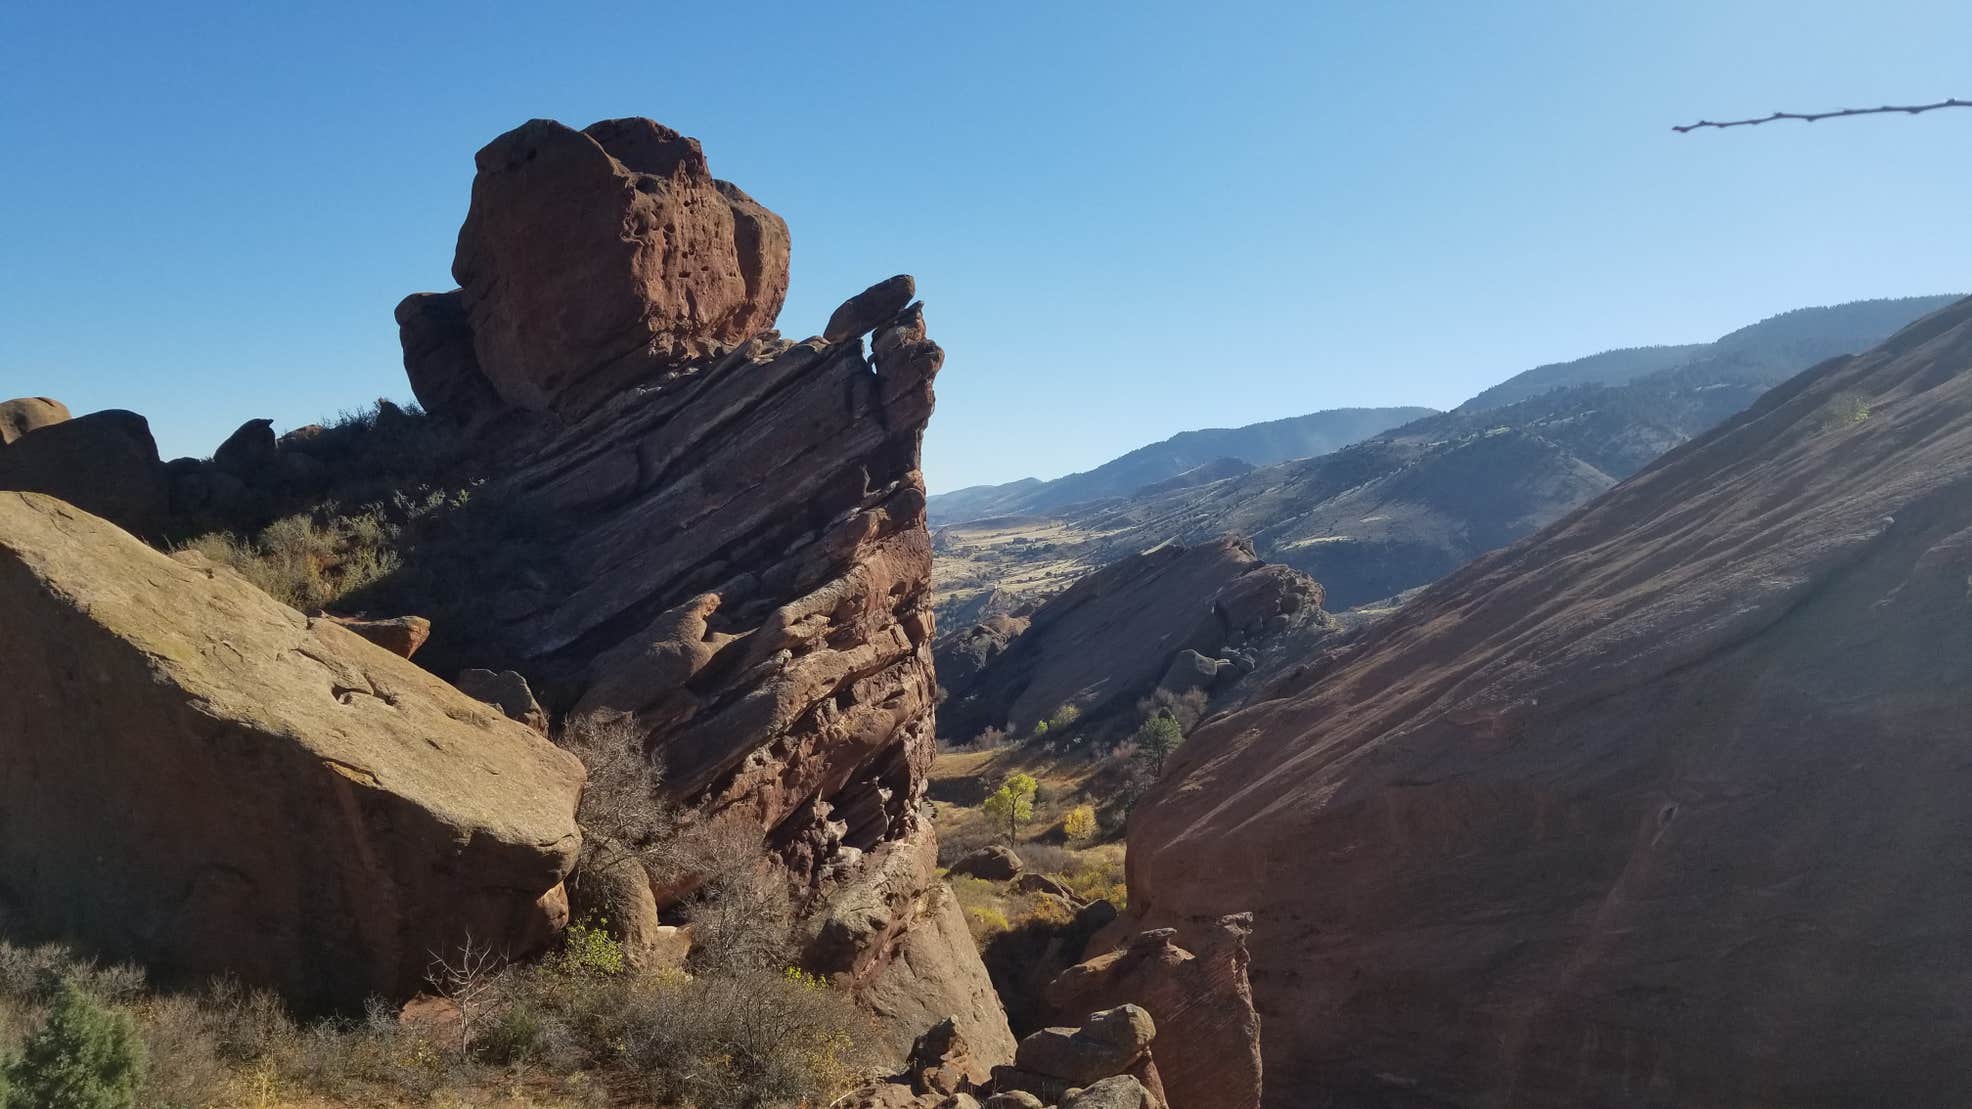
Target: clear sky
1126,219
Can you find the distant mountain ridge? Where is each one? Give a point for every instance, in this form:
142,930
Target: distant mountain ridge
1408,505
1260,444
1795,339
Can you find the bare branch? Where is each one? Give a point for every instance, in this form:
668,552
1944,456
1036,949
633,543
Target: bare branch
1810,117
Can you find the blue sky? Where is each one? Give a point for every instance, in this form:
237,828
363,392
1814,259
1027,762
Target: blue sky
1126,219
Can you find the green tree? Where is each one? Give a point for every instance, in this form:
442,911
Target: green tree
1156,739
1013,802
84,1056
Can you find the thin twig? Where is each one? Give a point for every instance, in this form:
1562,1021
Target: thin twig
1810,117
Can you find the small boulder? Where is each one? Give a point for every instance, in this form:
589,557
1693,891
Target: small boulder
1015,1099
1118,1092
24,414
613,891
1110,1043
1191,670
994,863
400,635
860,314
250,453
1031,882
507,689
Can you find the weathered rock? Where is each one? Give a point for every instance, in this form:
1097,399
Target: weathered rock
105,463
994,862
963,655
1208,1053
940,1061
249,453
440,360
613,891
733,552
198,777
596,258
862,313
23,414
1190,670
400,635
1014,1099
1108,1043
895,937
1106,641
1031,882
507,689
1664,805
1119,1092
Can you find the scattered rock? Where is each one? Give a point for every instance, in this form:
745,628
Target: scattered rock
1119,1092
1014,1099
940,1061
400,635
105,463
860,314
507,689
250,453
1109,1043
994,862
1208,1055
232,787
1190,670
1031,882
23,414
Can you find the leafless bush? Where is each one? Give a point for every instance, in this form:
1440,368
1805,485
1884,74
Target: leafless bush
624,810
469,978
742,915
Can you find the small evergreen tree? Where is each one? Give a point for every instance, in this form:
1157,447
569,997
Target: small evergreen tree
1013,802
84,1056
1157,739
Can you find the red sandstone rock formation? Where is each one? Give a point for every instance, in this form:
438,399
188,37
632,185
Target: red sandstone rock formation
1105,641
591,258
1665,805
198,777
737,524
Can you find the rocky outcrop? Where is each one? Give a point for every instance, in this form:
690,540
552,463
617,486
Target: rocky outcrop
198,777
105,463
595,259
508,690
1108,639
400,635
24,414
962,655
1104,1064
1663,806
1209,1056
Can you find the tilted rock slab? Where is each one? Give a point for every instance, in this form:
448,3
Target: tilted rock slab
1104,642
198,777
740,560
1665,805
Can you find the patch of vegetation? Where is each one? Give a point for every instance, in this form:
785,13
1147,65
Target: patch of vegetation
1013,803
1845,410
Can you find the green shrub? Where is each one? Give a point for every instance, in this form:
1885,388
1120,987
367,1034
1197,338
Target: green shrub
588,948
84,1056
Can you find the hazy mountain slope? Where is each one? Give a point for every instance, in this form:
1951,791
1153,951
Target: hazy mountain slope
1416,502
1663,807
1780,344
1256,444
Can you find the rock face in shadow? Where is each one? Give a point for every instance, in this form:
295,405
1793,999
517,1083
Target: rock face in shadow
105,463
1107,640
735,526
198,777
1664,805
1209,1052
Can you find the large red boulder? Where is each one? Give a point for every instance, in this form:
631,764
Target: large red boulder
595,258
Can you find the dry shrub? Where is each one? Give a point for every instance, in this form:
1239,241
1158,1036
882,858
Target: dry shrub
306,564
